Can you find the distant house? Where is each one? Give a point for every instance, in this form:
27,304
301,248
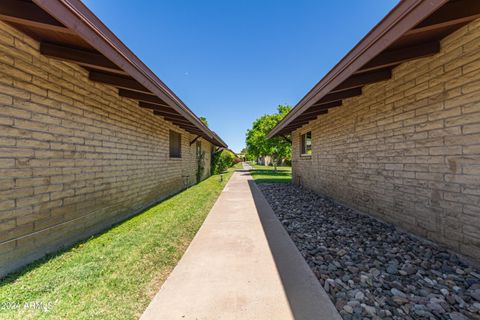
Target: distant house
265,160
88,134
394,128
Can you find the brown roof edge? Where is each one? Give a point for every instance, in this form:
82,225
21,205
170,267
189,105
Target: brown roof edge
399,20
217,137
77,17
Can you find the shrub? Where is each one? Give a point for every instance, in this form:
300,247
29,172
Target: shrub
222,160
200,166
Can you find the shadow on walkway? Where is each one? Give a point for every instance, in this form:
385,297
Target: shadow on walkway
241,265
305,295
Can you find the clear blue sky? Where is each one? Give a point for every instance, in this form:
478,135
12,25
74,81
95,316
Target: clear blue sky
233,61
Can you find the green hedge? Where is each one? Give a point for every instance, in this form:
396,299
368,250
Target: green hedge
223,160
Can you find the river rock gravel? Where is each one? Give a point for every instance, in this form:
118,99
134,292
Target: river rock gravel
371,269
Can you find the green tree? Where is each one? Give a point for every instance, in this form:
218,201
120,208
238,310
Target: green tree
222,160
258,145
204,120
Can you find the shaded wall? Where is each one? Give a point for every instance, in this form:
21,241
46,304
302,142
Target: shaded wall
74,156
408,150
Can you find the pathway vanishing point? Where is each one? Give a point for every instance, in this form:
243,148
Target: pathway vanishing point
241,265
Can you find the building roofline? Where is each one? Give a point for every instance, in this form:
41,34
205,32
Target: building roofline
403,17
78,18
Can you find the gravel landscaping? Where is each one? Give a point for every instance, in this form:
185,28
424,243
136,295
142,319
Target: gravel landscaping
369,268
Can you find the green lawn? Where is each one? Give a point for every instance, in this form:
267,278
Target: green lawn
266,174
113,275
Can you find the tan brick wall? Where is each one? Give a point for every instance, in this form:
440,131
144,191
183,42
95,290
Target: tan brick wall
74,156
408,150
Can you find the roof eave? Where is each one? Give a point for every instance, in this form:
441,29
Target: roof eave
77,17
402,18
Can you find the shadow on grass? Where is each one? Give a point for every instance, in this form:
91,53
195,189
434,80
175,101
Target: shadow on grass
270,176
14,275
68,247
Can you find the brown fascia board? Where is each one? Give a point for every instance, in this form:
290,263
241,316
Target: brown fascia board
78,18
27,13
406,15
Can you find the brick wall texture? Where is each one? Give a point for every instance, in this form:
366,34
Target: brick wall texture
74,156
408,150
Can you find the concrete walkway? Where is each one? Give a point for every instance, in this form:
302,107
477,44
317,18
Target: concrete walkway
241,265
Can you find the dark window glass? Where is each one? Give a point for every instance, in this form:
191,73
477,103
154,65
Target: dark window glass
306,143
199,149
175,145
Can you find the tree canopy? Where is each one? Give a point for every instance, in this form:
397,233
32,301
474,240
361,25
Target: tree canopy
257,143
222,160
204,120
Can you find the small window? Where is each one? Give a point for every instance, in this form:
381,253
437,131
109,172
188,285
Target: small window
175,145
306,144
199,149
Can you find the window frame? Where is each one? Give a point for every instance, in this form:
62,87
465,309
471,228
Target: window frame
304,150
171,152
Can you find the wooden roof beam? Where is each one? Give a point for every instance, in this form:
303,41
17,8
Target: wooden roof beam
140,96
84,58
322,107
29,14
307,117
394,57
300,122
157,107
451,14
289,130
170,115
186,126
339,95
189,128
359,80
296,125
199,134
178,121
311,116
117,81
194,140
